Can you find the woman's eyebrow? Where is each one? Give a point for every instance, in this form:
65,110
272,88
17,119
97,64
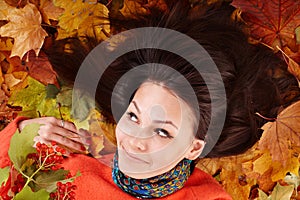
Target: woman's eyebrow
136,107
155,121
165,122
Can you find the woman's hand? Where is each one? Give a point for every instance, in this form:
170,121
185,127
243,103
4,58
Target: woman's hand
62,132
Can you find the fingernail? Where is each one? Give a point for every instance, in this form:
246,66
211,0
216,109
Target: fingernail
82,148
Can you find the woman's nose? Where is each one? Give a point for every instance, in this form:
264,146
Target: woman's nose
138,144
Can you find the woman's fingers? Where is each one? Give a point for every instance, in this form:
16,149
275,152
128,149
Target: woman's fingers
62,135
60,131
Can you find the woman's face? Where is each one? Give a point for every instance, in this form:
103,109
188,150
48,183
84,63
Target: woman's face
155,133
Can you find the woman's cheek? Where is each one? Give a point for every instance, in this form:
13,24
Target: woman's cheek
119,135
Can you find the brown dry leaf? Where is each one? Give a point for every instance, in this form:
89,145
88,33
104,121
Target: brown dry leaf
160,4
293,67
25,27
7,114
38,67
280,134
17,3
97,143
133,8
49,10
102,134
6,44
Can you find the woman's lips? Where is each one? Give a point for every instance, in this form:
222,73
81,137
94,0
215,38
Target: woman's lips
134,158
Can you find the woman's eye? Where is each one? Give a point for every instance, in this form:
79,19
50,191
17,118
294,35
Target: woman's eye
132,117
162,133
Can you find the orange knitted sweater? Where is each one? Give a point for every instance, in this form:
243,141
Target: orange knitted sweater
96,182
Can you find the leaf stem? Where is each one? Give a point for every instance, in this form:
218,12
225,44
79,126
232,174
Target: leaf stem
266,118
29,179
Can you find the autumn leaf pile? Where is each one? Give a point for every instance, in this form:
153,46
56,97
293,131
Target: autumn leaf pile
29,85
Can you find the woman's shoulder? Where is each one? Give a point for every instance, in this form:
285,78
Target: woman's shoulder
203,186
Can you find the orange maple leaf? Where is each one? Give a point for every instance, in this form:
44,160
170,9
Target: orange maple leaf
272,22
25,27
280,135
49,10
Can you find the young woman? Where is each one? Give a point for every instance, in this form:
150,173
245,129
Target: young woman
166,107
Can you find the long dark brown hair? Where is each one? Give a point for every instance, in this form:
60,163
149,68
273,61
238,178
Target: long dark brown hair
256,80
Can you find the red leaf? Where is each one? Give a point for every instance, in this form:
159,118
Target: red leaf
273,22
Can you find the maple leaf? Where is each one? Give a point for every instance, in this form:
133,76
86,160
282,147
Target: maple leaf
284,132
232,174
272,22
76,12
4,7
49,10
25,27
95,26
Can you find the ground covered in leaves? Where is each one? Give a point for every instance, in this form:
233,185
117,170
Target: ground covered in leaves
29,85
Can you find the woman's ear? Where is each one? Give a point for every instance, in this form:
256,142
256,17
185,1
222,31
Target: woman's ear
195,149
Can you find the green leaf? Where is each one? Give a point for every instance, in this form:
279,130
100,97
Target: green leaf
26,194
282,192
65,96
47,180
4,174
21,145
83,103
52,91
29,98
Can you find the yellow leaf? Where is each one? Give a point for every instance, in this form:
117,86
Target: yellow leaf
262,164
96,25
278,171
233,178
280,134
232,174
49,10
6,44
62,34
77,11
25,27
